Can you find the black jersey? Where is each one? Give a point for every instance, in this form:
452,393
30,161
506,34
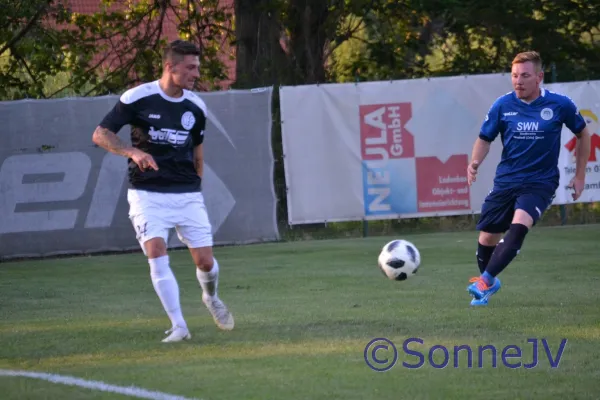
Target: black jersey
165,127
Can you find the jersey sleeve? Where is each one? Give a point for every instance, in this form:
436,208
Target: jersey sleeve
491,125
572,118
199,127
197,131
121,114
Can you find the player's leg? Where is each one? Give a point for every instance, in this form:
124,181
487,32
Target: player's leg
152,229
167,288
529,207
195,231
207,273
496,213
207,269
510,245
486,244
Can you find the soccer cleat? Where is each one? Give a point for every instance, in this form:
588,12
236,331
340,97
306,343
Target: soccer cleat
177,334
482,302
219,312
481,292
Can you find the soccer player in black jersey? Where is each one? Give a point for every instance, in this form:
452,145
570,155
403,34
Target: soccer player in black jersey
165,175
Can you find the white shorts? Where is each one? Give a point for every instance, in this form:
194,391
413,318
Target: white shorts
155,214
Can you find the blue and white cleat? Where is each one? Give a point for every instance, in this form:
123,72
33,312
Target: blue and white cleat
482,302
481,292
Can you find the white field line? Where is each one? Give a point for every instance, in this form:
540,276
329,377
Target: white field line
94,385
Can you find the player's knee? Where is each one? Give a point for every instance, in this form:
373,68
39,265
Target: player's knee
205,264
155,247
522,217
489,239
516,236
203,258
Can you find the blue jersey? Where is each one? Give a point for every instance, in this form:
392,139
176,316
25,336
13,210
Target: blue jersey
530,135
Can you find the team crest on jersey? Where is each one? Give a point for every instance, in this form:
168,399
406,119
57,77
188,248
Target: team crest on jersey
188,120
547,114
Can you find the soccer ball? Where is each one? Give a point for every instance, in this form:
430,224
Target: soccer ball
399,260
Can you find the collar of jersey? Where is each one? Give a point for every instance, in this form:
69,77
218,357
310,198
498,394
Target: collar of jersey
542,94
166,97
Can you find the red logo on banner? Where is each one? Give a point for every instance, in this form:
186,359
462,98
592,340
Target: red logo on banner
442,186
382,131
591,120
595,145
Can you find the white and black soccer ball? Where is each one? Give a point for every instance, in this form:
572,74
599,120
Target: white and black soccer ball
399,260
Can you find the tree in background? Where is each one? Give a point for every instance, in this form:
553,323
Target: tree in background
310,41
292,41
47,50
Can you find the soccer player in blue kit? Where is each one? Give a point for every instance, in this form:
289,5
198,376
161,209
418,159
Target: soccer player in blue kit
529,121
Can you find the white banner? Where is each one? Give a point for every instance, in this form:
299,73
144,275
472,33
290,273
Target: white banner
399,149
587,97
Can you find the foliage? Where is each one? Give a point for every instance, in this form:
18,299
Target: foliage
292,41
47,50
104,51
410,39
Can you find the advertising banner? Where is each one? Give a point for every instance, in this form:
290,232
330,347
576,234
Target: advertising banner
61,194
400,149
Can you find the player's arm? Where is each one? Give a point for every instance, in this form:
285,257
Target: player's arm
582,151
105,136
109,141
199,160
576,124
481,147
198,142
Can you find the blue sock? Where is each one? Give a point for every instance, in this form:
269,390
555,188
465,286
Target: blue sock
487,278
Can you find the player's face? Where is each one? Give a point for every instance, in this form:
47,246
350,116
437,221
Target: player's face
185,72
525,80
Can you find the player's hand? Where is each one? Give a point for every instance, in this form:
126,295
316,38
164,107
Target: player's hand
577,185
472,172
143,160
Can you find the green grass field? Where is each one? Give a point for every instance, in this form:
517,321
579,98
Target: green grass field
304,313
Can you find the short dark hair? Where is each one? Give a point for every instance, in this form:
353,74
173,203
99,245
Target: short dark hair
177,49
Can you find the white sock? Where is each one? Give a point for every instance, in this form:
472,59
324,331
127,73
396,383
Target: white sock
209,280
167,289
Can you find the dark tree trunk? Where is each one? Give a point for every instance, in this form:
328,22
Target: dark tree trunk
309,36
260,59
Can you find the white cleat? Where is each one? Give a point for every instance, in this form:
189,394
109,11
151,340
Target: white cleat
219,311
177,334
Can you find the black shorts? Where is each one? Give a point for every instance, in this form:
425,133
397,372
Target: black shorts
500,204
